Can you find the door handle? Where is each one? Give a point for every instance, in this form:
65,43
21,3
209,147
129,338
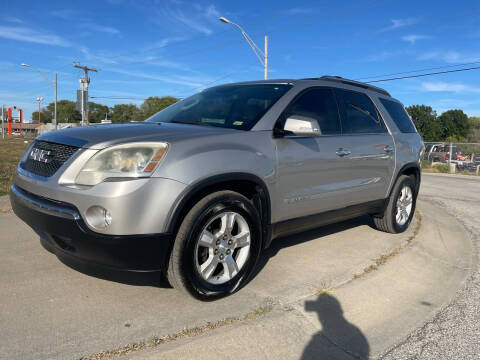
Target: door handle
388,149
342,152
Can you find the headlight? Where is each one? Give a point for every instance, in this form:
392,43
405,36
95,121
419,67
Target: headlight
132,160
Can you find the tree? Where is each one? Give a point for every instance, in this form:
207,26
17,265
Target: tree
44,116
66,111
426,122
97,112
454,124
154,104
125,113
474,135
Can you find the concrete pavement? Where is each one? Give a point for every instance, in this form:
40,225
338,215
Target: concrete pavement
48,310
454,332
357,320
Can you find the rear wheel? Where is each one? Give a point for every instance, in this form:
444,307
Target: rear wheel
216,247
400,208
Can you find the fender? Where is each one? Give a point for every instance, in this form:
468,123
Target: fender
407,166
261,199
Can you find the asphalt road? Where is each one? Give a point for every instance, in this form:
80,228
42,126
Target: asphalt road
454,333
50,311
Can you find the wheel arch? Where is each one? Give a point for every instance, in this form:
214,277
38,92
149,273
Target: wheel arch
249,185
409,169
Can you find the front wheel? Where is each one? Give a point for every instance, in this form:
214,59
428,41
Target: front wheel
216,247
400,208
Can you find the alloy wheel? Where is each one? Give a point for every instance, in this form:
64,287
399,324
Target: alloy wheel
222,248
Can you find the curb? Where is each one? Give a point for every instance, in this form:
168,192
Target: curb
360,318
453,176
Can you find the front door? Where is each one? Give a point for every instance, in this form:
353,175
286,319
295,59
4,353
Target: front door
311,175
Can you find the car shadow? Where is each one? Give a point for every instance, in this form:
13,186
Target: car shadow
154,279
338,339
285,242
157,279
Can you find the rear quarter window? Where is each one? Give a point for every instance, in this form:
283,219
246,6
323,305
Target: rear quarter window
399,115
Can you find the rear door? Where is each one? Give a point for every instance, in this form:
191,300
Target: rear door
370,150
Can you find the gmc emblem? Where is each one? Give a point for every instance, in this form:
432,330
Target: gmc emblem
40,155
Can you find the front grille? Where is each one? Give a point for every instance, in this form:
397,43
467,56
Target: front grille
59,153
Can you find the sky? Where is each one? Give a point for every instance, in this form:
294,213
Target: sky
175,47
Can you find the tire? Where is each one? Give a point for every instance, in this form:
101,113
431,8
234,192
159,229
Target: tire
205,222
388,221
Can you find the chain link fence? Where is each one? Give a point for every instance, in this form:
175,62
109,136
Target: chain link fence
451,157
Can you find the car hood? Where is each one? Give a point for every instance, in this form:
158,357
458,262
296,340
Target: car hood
103,135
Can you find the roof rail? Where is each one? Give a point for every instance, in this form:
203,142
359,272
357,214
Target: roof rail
351,82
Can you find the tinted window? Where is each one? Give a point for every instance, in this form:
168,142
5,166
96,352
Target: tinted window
399,116
358,113
318,104
230,106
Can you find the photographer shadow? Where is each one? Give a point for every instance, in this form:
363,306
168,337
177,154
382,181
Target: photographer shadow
338,339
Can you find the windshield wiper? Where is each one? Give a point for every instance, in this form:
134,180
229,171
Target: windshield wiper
185,122
191,123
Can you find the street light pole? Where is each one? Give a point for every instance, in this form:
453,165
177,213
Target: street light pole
39,99
262,56
266,58
45,77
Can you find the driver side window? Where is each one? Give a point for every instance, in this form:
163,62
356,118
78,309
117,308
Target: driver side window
318,104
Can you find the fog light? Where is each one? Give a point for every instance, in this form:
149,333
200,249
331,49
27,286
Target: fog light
98,217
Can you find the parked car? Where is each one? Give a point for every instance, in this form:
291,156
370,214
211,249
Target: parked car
198,190
439,153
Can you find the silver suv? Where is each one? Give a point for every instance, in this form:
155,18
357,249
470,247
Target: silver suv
200,188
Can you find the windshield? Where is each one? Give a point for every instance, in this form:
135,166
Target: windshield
231,106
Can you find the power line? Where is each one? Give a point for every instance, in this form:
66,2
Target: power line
422,75
418,70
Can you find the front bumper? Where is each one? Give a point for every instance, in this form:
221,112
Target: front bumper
63,232
137,206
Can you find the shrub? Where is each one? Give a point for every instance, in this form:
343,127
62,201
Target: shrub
443,168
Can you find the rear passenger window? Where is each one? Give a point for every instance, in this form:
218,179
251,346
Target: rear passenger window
318,104
359,115
399,116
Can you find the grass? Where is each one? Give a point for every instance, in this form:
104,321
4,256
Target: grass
383,259
442,168
324,288
11,150
437,168
185,333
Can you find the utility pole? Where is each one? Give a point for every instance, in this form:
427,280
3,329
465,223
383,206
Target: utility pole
55,108
39,99
84,87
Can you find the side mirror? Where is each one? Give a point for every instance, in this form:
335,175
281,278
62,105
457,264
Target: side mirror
302,126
